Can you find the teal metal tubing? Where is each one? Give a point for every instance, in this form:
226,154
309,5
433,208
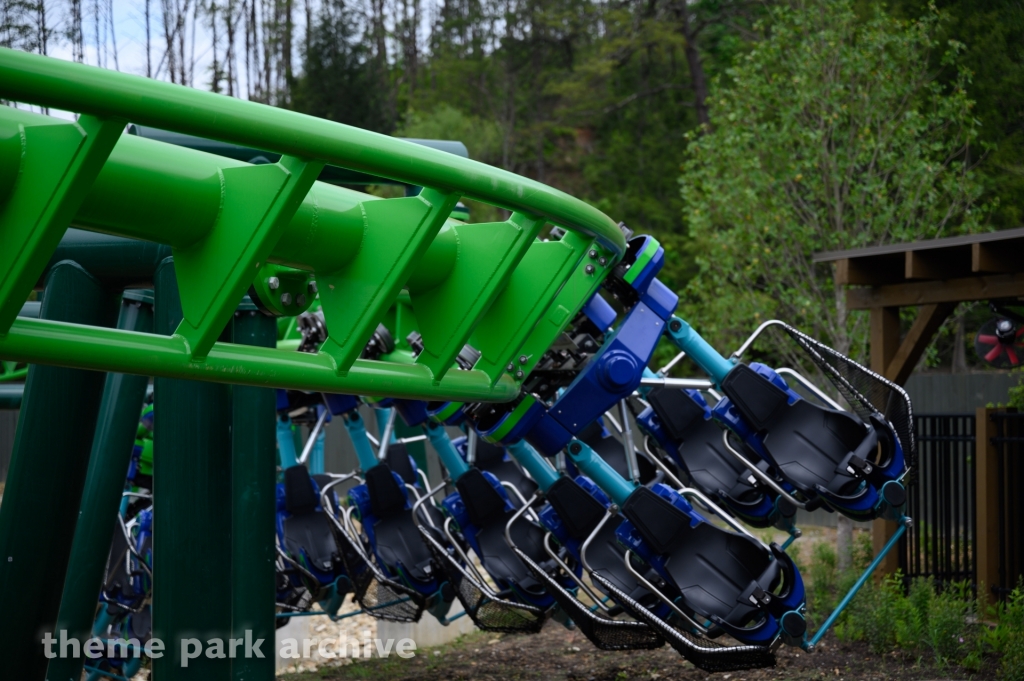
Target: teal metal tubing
438,437
543,473
11,395
699,350
286,443
598,470
356,427
95,674
904,521
103,349
85,89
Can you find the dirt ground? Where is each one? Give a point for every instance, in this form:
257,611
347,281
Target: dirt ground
559,654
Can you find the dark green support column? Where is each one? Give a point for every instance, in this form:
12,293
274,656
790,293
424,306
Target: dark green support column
116,427
254,469
192,510
45,480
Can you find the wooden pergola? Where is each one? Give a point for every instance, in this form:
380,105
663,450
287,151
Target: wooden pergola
934,276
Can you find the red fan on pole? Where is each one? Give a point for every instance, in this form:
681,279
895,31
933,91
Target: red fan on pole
1000,343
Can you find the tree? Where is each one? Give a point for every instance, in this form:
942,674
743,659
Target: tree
835,133
337,82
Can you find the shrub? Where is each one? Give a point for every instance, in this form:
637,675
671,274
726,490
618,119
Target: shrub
1010,635
949,635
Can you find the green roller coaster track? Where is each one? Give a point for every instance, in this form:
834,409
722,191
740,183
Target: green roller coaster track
232,225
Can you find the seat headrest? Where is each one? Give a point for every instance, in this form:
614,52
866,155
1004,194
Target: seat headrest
299,496
676,410
483,503
386,497
579,511
397,459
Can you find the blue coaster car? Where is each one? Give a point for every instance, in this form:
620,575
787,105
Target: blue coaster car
574,515
481,509
680,423
828,456
404,578
310,566
728,581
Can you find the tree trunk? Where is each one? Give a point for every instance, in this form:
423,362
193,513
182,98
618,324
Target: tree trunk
844,526
697,76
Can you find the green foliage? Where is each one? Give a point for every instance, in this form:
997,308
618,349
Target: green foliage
339,80
992,32
1008,637
834,133
1016,396
481,137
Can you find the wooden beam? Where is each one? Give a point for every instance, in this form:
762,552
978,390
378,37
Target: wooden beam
885,338
944,263
928,292
885,343
929,319
986,500
997,257
869,271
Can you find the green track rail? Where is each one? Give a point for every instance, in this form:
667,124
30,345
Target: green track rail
231,225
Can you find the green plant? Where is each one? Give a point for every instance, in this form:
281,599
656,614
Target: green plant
821,575
1016,395
947,630
1009,635
833,133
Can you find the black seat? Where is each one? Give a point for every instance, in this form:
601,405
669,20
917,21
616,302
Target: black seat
580,513
306,528
398,541
811,445
614,453
487,511
722,575
491,458
710,467
398,460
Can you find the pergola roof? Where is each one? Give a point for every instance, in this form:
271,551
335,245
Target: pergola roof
970,267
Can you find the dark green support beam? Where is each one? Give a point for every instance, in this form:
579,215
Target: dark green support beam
192,509
116,427
254,473
46,477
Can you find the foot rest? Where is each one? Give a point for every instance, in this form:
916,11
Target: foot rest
488,611
377,594
606,634
703,653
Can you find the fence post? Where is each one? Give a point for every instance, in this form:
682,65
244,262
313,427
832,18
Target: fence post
987,500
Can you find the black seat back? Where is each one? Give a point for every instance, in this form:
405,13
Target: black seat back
386,497
483,503
397,459
807,442
299,496
579,512
710,467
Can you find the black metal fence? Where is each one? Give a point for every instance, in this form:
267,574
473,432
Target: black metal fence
941,501
1009,445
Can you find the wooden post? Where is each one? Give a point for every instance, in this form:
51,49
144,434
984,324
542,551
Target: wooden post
986,499
885,343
